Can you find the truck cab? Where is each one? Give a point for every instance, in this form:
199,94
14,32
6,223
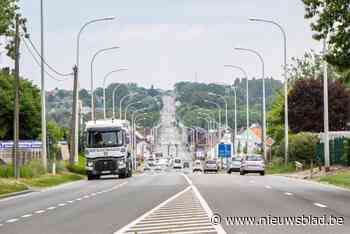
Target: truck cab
107,149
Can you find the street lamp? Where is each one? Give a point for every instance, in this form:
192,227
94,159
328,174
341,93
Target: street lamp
92,77
121,102
130,104
113,101
223,98
75,117
104,88
234,142
286,125
219,107
263,98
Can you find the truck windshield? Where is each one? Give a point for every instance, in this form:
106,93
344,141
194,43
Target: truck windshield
101,139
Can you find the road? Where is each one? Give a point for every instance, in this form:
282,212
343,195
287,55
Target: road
174,202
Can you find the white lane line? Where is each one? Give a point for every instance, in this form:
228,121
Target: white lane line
1,225
93,194
86,196
39,211
71,201
205,206
12,220
26,216
79,199
51,208
288,194
320,205
62,204
268,187
133,223
251,181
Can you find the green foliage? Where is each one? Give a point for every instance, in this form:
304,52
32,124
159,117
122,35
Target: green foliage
33,169
279,168
341,178
8,11
332,18
6,171
10,186
49,180
30,108
193,95
302,147
60,166
78,168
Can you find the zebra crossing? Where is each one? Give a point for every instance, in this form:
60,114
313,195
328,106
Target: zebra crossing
183,213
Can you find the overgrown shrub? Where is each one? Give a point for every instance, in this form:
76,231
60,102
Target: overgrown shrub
6,171
32,169
302,147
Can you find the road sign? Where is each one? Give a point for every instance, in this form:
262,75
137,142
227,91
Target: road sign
269,141
224,150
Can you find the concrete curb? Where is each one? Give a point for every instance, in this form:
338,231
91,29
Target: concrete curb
16,193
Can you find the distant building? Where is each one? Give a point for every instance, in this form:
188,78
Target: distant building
253,135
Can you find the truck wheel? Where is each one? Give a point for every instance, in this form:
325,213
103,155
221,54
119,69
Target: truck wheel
123,175
242,173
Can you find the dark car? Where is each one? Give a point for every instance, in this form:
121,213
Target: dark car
186,165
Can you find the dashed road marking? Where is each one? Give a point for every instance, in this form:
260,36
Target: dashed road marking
12,220
26,216
71,201
39,211
288,194
320,205
62,204
51,208
268,187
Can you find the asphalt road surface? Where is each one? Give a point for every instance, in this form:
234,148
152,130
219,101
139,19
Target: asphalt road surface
179,202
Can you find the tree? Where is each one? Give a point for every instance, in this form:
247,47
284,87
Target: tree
332,18
305,101
8,11
30,120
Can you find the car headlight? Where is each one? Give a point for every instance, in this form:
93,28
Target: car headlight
121,164
90,163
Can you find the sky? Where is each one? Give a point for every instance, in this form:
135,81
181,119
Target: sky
164,41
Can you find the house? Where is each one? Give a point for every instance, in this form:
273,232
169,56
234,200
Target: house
252,135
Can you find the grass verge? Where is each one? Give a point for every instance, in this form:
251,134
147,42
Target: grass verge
50,180
277,168
341,179
10,186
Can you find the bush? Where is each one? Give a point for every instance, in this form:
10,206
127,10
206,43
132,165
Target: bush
6,171
32,169
279,167
60,166
78,168
302,147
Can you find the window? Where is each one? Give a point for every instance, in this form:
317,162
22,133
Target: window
102,139
254,158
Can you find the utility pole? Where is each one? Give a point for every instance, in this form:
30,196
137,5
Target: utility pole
15,155
74,136
326,114
43,95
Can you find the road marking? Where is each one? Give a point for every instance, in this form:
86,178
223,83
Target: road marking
26,216
268,187
70,201
288,194
1,225
86,196
39,211
78,199
320,205
51,208
62,204
251,181
11,220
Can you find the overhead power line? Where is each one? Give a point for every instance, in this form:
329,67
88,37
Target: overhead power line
48,65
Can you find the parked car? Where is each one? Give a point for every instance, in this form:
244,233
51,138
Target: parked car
197,166
177,164
211,166
186,165
253,164
235,165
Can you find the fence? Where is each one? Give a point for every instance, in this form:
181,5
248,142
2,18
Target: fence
27,151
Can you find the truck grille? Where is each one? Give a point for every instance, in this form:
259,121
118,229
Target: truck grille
105,165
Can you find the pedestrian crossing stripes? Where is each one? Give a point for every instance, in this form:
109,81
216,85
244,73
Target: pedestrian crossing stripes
182,213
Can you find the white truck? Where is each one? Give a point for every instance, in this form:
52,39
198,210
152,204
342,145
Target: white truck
108,149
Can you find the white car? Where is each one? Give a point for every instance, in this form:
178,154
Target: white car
197,166
177,163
